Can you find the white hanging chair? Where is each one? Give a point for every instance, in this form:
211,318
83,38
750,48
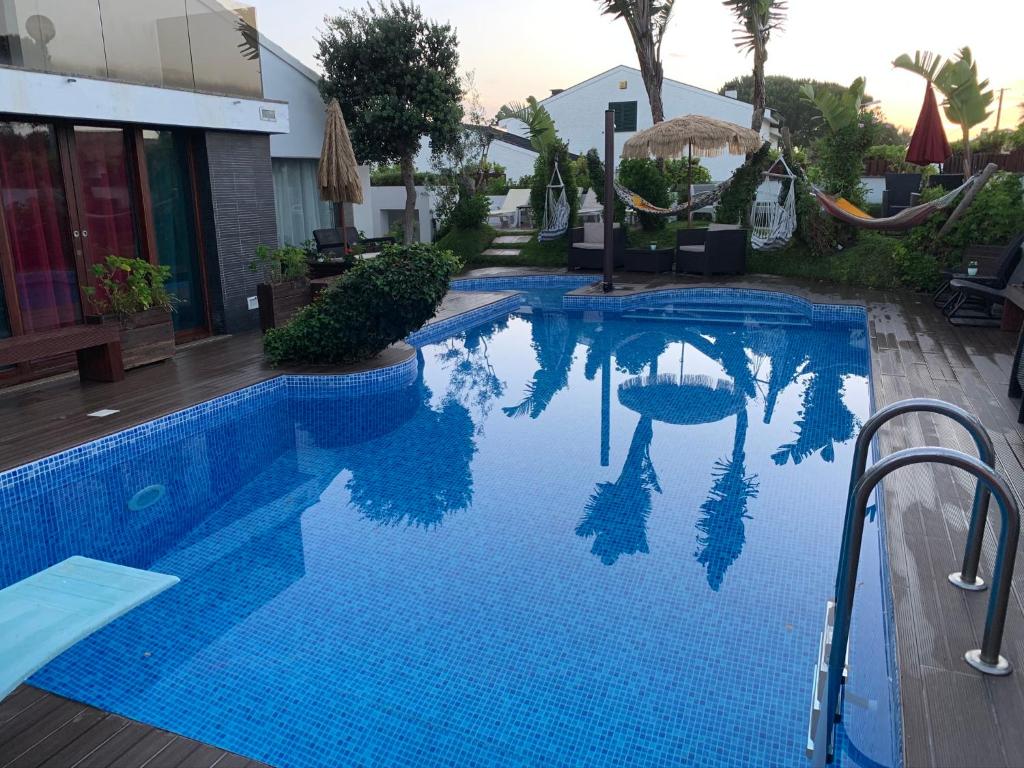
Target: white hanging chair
772,222
556,210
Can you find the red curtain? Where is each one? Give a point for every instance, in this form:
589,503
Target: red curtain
35,210
101,165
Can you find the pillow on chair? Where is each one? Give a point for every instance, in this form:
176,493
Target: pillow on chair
720,227
593,232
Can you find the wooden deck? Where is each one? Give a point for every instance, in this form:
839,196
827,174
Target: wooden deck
41,730
952,716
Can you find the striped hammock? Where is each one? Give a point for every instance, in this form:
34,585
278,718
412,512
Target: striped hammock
843,210
556,210
632,200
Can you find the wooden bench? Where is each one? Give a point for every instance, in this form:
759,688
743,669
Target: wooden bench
97,344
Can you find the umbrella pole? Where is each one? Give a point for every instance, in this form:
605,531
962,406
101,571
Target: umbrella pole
609,197
344,230
689,184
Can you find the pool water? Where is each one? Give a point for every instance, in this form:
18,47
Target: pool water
571,538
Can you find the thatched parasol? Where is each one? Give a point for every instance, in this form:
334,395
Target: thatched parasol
694,134
338,174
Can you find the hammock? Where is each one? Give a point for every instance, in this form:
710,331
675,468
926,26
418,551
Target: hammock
556,210
908,218
632,200
772,223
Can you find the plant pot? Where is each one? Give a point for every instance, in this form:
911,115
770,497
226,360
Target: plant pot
147,337
319,269
280,301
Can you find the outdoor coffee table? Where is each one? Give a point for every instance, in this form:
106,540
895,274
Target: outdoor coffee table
646,260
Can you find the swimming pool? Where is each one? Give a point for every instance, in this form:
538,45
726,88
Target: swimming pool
558,536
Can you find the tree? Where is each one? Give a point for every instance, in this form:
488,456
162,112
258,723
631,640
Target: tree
756,19
647,21
540,126
966,101
783,97
395,75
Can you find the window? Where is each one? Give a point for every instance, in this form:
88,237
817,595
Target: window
625,115
297,201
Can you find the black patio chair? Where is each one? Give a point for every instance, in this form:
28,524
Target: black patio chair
995,266
948,181
712,251
898,189
586,246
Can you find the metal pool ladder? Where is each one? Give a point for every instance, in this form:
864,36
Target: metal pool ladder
831,669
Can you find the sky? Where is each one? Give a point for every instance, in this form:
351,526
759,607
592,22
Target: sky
528,47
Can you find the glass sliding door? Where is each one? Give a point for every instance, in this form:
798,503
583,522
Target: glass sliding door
106,193
173,207
35,207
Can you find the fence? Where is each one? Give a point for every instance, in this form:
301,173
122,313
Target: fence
1004,161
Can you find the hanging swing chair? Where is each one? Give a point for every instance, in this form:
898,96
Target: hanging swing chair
773,220
556,210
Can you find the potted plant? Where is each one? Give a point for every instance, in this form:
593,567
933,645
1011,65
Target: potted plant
285,287
133,291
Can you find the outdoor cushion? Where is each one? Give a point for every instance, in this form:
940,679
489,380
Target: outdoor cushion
589,246
48,612
593,233
692,248
721,227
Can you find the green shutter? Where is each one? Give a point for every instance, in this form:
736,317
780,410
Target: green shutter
625,115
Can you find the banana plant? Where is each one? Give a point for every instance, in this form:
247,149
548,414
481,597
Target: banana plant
838,110
539,124
966,100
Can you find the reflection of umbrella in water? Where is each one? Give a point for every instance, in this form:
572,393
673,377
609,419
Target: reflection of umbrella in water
688,399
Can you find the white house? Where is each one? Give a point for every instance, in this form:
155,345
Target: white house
578,112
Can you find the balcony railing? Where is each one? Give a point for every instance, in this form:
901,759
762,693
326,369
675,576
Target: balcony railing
203,45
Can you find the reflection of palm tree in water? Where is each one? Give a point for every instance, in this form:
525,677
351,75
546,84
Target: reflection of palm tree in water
472,379
824,419
553,336
616,514
722,530
396,480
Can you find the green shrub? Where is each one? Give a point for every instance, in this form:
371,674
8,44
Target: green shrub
467,244
470,212
647,180
376,303
679,176
595,173
734,207
289,262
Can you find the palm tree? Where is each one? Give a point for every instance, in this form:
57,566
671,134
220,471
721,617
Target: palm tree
757,19
966,101
540,126
647,21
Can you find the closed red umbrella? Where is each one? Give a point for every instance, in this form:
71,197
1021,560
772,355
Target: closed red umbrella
928,144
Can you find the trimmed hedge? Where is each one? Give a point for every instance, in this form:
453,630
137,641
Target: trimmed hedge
376,303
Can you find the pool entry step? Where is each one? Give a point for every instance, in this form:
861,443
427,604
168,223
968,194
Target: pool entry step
832,667
720,312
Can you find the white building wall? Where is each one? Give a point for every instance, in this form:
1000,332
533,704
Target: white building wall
388,200
578,113
287,79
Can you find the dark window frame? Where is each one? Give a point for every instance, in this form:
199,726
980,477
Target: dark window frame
625,115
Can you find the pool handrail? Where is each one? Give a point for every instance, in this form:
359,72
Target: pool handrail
986,659
967,577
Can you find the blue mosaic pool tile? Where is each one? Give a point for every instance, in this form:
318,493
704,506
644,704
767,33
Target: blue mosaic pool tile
546,548
442,329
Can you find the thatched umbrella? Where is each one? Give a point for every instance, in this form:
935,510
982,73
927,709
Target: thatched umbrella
694,134
338,174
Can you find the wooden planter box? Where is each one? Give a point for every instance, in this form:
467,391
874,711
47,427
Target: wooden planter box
280,301
147,337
